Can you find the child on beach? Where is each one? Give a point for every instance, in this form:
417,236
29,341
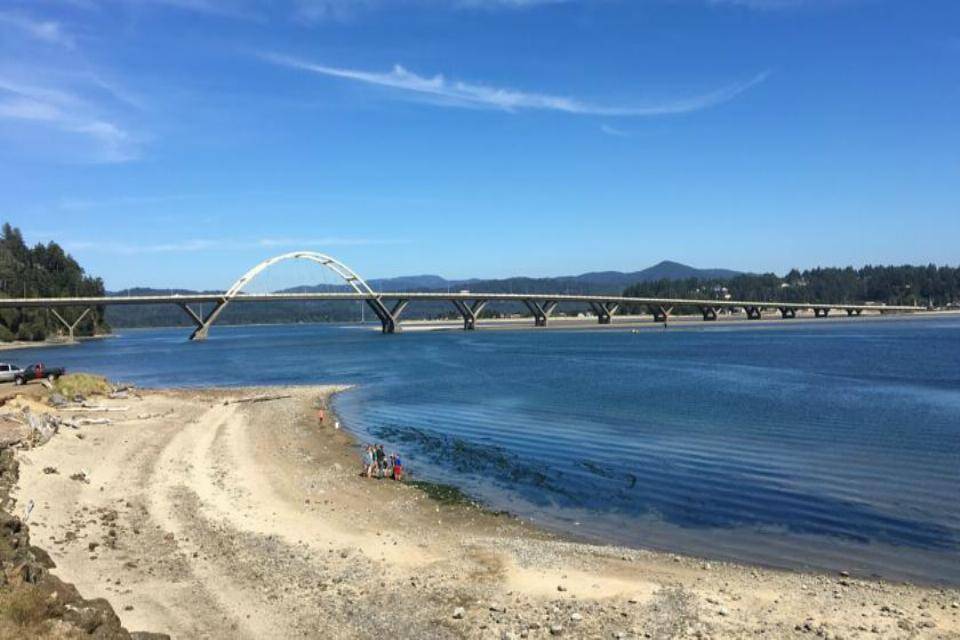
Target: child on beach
397,467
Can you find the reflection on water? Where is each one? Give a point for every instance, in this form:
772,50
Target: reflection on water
833,446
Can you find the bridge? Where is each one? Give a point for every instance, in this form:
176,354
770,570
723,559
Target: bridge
388,307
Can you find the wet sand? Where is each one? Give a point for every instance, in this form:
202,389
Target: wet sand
210,520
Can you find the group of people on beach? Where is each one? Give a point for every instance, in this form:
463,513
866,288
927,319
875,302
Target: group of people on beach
377,464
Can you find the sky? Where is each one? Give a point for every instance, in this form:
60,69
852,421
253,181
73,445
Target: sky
175,143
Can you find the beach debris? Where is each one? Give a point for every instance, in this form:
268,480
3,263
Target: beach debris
556,629
81,476
57,400
260,398
151,416
82,422
458,613
496,607
576,617
560,587
46,383
50,470
27,510
44,426
96,407
118,395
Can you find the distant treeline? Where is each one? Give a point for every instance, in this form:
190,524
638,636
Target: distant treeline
44,270
913,285
169,315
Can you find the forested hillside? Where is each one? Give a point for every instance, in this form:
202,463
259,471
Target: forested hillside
925,286
44,270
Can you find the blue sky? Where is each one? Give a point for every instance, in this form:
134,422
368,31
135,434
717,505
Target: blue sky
177,142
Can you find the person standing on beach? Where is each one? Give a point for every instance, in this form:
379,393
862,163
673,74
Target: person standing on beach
381,460
368,461
397,467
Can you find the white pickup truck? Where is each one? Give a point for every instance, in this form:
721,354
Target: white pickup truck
8,372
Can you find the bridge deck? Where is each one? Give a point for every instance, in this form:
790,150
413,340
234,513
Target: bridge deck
459,296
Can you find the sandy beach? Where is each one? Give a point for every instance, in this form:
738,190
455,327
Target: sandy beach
201,517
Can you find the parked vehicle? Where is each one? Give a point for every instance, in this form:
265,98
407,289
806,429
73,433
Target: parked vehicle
8,372
38,372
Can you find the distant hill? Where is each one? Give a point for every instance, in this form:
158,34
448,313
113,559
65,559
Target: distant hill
593,282
599,282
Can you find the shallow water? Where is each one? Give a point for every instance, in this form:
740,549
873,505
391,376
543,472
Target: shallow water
833,446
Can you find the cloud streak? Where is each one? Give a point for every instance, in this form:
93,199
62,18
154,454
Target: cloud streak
67,114
46,31
439,90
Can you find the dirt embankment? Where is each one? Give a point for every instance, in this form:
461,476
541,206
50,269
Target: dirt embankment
34,602
202,517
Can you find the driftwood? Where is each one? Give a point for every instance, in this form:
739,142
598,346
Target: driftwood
95,408
84,422
263,398
150,416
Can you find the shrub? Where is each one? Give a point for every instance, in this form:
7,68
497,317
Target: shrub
85,384
25,605
5,334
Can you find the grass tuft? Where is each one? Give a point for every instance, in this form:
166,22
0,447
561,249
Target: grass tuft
25,606
85,384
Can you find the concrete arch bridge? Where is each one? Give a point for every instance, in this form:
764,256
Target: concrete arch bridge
389,306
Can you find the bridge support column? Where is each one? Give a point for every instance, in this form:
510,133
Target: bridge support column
821,312
70,326
203,323
541,312
853,312
660,312
788,312
470,312
389,318
709,313
605,311
753,312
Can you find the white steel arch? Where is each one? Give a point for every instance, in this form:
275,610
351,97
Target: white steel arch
349,276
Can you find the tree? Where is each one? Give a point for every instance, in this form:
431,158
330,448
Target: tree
42,271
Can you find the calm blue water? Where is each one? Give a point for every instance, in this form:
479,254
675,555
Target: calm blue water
834,446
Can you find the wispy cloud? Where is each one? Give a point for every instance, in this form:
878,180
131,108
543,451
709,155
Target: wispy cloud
772,5
193,245
47,31
68,114
463,94
613,131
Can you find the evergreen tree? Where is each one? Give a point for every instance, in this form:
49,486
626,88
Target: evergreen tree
40,272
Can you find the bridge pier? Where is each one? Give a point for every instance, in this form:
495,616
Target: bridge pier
754,312
470,312
660,312
605,311
541,312
709,313
389,318
853,312
70,327
821,312
788,312
203,323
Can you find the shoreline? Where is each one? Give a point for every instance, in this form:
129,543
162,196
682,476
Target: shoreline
45,344
236,502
